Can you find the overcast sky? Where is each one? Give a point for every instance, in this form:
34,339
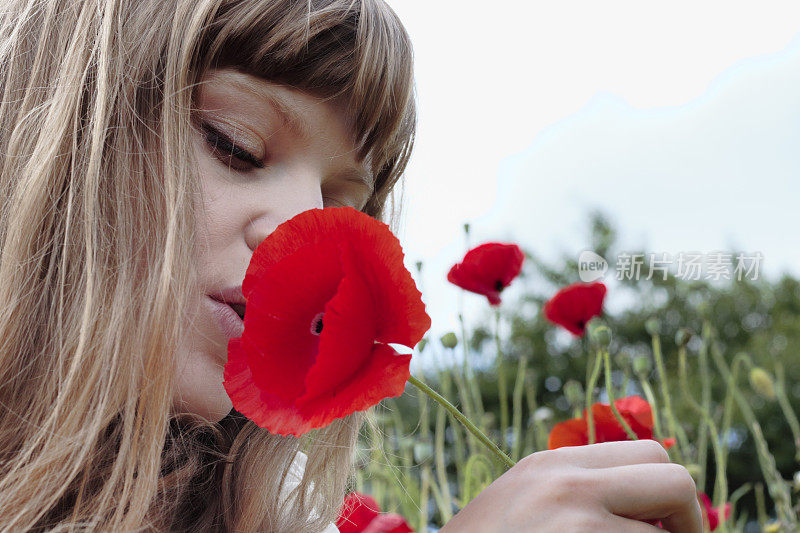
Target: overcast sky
681,120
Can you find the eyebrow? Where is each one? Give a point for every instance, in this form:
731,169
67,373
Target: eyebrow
300,128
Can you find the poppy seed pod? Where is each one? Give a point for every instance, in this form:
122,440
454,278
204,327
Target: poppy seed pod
422,344
762,382
653,326
600,335
682,337
642,365
449,340
573,392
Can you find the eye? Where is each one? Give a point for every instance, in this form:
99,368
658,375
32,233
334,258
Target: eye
228,153
334,202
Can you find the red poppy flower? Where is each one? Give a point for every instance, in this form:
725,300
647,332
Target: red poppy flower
488,269
341,268
711,513
634,409
361,514
572,307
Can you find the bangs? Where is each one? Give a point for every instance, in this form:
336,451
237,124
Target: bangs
353,50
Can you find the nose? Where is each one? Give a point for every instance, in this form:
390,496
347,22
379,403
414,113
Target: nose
279,204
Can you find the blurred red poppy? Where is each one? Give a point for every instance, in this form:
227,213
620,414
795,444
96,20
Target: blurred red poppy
288,373
488,269
711,513
634,409
361,514
572,307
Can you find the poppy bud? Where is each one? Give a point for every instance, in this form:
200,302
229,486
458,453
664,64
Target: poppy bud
642,364
573,392
422,344
762,382
623,360
600,335
449,340
466,228
682,337
653,326
543,414
423,452
419,266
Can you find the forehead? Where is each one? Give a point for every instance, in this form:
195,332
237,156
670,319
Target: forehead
299,110
306,116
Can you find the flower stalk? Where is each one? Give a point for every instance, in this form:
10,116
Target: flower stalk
464,420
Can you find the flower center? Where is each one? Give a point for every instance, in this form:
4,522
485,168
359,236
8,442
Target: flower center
316,324
498,285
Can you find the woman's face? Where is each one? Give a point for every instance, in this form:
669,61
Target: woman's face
265,153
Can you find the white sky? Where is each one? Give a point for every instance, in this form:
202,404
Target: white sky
681,120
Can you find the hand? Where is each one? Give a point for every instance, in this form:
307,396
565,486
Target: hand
614,487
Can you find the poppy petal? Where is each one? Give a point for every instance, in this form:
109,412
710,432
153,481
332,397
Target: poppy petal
572,432
326,291
488,269
266,410
375,255
280,344
573,306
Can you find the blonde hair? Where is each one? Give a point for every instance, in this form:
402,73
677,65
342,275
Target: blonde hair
97,203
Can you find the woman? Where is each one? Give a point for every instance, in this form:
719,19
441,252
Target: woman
147,147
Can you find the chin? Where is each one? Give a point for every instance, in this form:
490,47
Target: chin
199,390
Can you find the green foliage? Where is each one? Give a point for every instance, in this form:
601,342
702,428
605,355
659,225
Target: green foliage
759,318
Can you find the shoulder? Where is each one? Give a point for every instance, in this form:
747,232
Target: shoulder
293,478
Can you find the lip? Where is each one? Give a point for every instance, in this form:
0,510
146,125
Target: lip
227,320
230,295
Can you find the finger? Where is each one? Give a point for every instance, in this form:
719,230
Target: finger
664,492
620,524
611,454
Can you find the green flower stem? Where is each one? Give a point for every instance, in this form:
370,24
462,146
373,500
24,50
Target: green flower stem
651,399
464,396
517,407
786,407
474,464
469,374
702,439
501,382
721,482
681,440
464,420
536,437
777,486
446,508
423,507
761,508
610,391
589,394
460,455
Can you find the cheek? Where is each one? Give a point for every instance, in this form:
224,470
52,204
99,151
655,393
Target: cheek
199,374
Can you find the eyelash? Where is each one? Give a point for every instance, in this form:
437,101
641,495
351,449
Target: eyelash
215,139
220,142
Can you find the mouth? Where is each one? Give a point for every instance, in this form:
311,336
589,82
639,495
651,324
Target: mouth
239,309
